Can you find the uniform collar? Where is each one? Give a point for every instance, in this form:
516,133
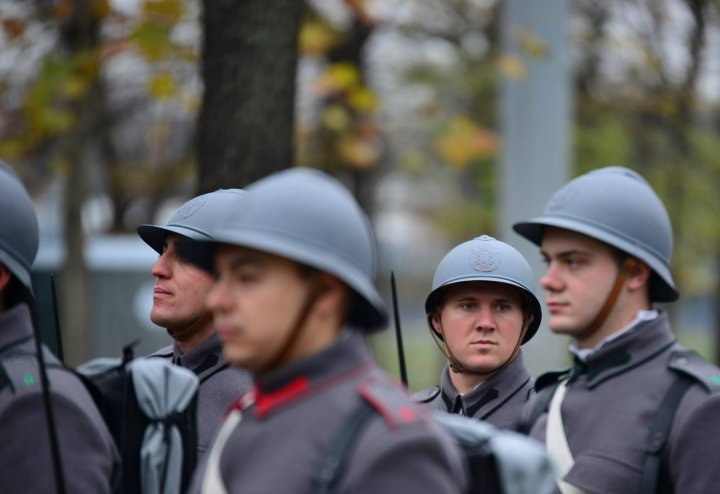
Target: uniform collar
347,357
15,325
641,317
647,339
489,394
203,358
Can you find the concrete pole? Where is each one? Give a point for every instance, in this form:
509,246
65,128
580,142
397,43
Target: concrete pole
536,125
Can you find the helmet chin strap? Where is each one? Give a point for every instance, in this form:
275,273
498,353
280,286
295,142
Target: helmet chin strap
629,264
189,330
455,364
296,329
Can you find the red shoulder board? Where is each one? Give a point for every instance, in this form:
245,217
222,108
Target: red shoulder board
390,400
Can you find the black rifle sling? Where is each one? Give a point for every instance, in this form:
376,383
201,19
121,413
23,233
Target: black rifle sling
659,433
337,453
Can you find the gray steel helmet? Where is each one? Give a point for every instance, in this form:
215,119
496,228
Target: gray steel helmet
617,206
19,234
196,218
486,259
307,216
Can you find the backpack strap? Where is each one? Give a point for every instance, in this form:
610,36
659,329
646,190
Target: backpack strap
691,369
545,387
379,397
659,432
336,455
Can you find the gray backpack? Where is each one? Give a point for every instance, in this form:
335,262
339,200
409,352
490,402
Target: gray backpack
499,461
149,406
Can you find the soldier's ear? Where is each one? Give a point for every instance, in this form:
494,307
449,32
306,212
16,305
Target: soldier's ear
434,322
5,277
639,276
331,293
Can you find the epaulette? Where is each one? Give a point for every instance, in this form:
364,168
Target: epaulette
550,378
164,352
389,400
19,374
690,363
426,395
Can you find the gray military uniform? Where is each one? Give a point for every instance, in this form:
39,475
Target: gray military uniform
220,384
285,430
611,402
499,401
91,463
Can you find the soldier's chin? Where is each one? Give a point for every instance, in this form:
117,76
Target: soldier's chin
482,367
560,325
236,358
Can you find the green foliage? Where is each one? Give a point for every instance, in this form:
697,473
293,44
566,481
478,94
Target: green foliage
153,40
604,142
423,360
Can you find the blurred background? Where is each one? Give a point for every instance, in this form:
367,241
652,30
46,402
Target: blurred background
447,119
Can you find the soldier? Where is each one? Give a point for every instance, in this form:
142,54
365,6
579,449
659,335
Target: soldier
89,462
483,308
637,412
179,307
293,302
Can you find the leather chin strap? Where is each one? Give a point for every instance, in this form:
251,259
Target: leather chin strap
185,332
455,364
629,264
296,330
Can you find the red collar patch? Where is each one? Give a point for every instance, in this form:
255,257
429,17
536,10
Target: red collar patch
267,402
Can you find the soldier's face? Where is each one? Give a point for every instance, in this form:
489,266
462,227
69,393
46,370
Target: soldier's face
482,323
256,302
580,274
180,289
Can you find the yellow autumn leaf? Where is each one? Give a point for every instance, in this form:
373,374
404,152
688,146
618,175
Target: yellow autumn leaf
362,99
463,141
336,118
358,153
56,121
343,75
12,148
161,86
532,43
152,39
74,87
512,67
315,38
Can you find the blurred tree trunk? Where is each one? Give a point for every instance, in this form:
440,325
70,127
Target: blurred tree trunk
80,38
249,66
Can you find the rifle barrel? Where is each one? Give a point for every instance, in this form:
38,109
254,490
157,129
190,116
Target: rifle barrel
398,331
49,414
58,334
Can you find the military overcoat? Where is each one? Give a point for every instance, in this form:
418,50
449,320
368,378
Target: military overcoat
499,400
220,384
277,438
90,461
613,398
